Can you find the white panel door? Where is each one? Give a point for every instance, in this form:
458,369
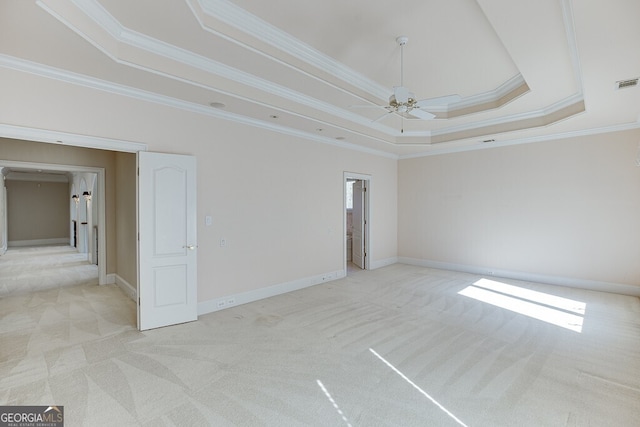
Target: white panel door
167,285
358,223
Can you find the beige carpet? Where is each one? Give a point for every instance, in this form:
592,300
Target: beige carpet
29,269
398,346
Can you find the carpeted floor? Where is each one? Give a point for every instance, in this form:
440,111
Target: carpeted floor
30,269
399,346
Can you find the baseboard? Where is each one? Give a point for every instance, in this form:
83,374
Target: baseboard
126,287
38,242
217,304
592,285
383,263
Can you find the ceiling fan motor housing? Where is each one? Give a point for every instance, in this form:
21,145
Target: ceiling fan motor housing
403,106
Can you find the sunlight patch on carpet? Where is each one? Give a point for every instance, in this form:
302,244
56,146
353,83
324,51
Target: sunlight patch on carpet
333,402
414,385
563,312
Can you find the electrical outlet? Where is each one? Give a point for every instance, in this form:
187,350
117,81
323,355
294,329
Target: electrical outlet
221,303
231,301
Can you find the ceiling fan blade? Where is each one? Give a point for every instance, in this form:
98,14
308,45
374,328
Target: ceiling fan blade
382,116
421,114
441,100
368,106
401,93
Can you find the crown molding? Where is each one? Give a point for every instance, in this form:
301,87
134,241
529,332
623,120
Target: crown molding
490,97
250,24
41,70
537,114
71,139
123,35
242,20
569,25
529,140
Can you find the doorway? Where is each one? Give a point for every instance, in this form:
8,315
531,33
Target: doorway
90,206
125,173
357,194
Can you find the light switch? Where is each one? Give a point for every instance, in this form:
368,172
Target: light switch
208,220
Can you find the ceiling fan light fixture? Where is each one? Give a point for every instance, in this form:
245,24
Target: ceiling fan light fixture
405,104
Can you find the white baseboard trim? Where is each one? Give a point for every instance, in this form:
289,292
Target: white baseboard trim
383,263
229,301
126,287
592,285
111,279
38,242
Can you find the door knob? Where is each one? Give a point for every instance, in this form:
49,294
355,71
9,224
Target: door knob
190,247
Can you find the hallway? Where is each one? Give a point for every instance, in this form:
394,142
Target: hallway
37,268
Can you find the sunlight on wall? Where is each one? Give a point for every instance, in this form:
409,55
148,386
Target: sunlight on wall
552,309
414,385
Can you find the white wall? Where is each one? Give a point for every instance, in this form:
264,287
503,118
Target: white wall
568,208
278,202
276,199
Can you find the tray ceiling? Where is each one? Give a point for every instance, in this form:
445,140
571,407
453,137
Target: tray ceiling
524,71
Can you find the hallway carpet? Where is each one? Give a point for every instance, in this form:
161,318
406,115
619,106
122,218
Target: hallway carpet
398,346
29,269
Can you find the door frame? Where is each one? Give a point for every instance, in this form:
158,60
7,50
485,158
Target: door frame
367,216
102,245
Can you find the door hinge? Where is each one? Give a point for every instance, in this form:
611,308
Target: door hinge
138,300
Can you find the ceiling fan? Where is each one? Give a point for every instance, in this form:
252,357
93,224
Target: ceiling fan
404,103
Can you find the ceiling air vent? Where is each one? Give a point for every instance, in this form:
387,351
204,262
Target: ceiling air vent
626,83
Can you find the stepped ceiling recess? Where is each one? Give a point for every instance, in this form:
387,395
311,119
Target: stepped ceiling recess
525,71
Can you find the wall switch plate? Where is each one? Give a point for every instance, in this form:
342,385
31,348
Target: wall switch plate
223,242
208,220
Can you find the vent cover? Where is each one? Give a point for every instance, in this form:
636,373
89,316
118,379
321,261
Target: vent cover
621,84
